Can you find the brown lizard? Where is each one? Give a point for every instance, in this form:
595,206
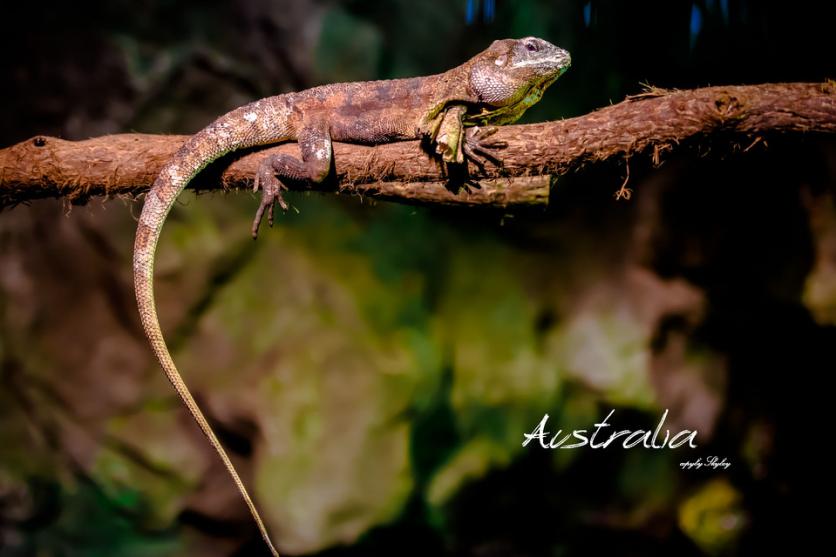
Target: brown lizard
494,87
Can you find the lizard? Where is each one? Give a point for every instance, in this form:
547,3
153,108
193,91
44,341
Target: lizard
455,112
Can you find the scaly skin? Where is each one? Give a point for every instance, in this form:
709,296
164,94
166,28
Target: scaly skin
494,87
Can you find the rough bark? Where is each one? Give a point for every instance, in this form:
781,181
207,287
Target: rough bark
652,124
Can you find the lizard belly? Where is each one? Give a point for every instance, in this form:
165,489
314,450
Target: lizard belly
371,129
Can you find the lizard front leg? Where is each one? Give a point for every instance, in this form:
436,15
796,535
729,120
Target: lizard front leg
316,149
454,142
480,151
448,139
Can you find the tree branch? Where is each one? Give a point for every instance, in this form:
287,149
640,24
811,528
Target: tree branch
651,124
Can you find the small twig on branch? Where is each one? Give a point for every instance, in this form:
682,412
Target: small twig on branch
624,192
649,125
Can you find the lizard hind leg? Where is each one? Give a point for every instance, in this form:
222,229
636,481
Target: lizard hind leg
271,193
316,150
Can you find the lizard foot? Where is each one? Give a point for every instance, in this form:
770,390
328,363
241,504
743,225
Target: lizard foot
481,151
271,193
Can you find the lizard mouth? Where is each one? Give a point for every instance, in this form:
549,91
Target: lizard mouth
559,62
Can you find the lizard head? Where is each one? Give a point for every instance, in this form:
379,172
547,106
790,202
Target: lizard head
512,75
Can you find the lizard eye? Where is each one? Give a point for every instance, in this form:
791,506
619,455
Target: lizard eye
531,47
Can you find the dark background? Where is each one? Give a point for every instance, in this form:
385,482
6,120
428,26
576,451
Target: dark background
711,293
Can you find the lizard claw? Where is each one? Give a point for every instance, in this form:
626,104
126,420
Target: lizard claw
271,193
481,151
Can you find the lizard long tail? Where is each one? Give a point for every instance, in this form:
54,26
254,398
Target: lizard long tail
235,130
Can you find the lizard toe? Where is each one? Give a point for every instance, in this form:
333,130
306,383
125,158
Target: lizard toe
481,151
271,193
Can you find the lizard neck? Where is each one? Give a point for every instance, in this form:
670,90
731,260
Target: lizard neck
445,90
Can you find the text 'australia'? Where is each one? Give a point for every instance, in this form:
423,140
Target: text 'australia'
598,439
